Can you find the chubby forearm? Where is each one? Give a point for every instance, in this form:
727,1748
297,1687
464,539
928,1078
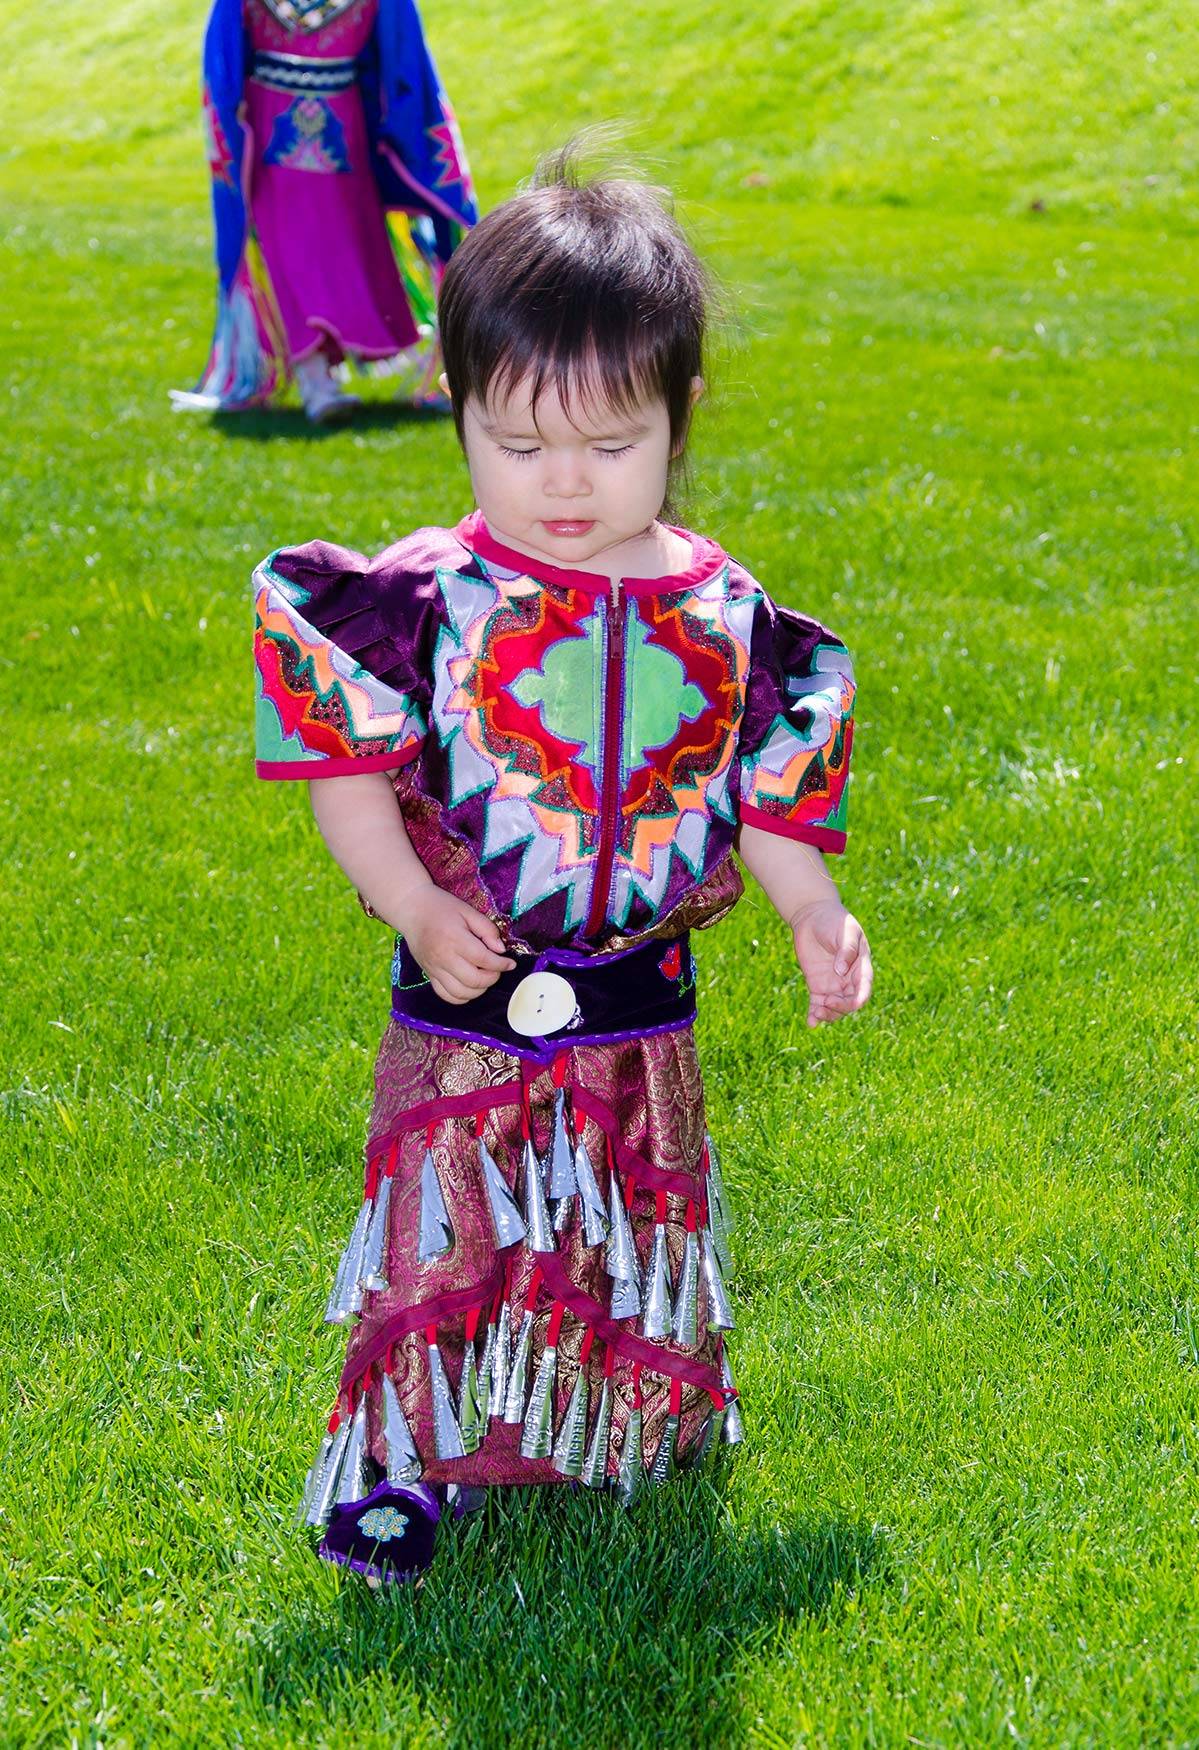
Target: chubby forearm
361,823
790,873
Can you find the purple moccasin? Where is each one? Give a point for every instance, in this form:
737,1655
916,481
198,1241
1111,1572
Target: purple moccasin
388,1535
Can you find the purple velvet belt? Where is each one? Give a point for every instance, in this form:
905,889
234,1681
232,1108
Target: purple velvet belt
650,989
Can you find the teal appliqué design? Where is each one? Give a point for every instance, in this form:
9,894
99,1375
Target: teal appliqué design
383,1523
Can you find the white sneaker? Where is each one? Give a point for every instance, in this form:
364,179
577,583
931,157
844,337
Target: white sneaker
325,402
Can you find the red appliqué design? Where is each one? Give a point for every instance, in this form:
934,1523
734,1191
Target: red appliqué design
220,158
671,963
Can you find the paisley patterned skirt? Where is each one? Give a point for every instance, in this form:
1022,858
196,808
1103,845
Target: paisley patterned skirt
536,1273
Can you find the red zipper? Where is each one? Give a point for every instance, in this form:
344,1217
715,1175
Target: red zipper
610,751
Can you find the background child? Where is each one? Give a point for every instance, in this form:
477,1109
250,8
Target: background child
579,709
339,189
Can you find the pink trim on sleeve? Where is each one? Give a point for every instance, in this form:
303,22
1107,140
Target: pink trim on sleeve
825,838
347,766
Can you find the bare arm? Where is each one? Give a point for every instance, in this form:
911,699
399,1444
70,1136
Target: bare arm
830,947
360,821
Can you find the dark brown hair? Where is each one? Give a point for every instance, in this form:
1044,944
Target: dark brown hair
585,284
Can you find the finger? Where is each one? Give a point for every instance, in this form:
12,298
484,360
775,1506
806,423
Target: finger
450,989
475,979
850,942
485,932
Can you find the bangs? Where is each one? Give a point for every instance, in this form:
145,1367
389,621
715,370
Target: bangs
591,291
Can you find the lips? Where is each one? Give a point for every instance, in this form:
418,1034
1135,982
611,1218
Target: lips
572,527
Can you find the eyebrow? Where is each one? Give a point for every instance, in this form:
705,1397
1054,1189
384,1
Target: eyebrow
534,437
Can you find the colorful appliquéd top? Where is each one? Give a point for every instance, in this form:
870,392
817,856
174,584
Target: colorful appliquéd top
594,751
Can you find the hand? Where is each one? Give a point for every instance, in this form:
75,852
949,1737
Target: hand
461,951
834,958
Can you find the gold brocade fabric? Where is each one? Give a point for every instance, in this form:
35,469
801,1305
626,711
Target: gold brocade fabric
653,1092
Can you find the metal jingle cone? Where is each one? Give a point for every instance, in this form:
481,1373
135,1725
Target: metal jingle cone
631,1474
505,1210
345,1284
518,1375
720,1307
325,1492
595,1217
486,1372
403,1460
561,1159
657,1316
537,1441
698,1450
662,1468
447,1436
374,1253
719,1233
732,1429
502,1365
353,1484
571,1444
686,1305
595,1465
436,1230
312,1481
716,1184
626,1300
471,1421
537,1214
620,1257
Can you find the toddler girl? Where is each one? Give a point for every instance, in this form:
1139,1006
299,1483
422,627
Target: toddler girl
535,739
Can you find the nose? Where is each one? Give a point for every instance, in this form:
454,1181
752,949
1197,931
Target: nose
567,476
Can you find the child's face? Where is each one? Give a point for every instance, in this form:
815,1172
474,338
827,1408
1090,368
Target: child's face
572,483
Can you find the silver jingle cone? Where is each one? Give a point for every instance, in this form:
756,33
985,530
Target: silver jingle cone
562,1160
571,1444
620,1258
686,1305
312,1482
537,1213
716,1183
325,1492
662,1468
352,1484
518,1376
626,1300
719,1222
374,1254
657,1317
436,1231
537,1441
403,1460
631,1474
505,1211
503,1361
486,1372
732,1429
345,1291
471,1420
720,1307
595,1465
698,1450
595,1219
447,1436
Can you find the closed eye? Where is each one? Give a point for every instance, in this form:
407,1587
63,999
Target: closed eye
522,454
622,451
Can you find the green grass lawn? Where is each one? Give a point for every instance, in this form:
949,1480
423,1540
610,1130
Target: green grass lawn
955,417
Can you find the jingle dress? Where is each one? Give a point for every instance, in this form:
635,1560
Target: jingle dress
340,188
537,1267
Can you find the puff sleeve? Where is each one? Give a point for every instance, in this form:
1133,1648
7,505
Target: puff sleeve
797,728
341,658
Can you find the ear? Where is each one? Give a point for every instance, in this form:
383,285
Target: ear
443,383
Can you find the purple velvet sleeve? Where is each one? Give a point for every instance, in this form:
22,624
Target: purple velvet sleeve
795,736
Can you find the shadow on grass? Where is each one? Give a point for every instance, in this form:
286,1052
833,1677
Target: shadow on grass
563,1620
265,425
